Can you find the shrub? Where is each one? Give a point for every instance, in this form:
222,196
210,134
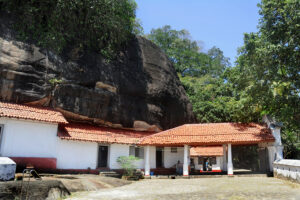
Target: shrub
127,164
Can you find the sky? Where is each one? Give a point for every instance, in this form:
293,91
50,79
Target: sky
220,23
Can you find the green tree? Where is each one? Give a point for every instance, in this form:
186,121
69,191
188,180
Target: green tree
201,73
186,54
182,51
211,98
218,62
266,78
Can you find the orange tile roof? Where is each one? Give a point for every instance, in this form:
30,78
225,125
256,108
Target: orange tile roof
211,134
84,132
207,151
43,114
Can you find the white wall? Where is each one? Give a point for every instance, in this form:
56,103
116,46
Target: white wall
170,159
25,138
217,166
287,168
152,157
76,154
140,164
117,150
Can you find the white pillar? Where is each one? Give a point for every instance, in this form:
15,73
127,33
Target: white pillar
147,160
279,152
224,158
186,161
271,155
229,164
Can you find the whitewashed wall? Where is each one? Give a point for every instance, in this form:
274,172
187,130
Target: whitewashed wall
152,157
25,138
83,155
170,159
76,154
287,168
117,150
217,166
140,164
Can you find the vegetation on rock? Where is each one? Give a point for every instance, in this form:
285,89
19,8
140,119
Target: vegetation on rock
101,25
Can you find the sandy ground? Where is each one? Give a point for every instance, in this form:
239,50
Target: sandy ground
232,188
87,182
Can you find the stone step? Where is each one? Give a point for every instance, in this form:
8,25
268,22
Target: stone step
109,174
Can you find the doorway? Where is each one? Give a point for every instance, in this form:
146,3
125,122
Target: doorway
1,134
263,159
246,158
159,157
204,165
102,156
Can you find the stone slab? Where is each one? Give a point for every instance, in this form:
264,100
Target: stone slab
7,169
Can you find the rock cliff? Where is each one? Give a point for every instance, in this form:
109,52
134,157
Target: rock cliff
138,90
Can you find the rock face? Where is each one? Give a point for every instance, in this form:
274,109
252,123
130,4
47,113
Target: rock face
138,90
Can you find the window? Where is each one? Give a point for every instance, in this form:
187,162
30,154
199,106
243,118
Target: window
213,160
173,149
136,151
200,160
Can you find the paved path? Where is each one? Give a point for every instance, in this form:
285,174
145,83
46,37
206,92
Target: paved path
236,188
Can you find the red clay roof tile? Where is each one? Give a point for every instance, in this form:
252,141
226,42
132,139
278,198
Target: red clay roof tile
207,151
211,134
43,114
84,132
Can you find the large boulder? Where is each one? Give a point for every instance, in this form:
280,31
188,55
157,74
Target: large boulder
7,169
140,89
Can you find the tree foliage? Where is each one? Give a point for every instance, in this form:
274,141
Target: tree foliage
186,54
200,73
266,78
102,25
211,98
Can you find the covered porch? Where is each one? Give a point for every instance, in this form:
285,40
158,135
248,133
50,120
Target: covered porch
193,137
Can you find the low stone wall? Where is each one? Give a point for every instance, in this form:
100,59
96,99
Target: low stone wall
287,169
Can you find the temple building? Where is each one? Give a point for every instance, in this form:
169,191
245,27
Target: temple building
43,138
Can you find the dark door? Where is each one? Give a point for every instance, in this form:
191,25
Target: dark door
159,157
102,156
263,159
204,164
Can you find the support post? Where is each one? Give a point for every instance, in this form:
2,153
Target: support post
147,161
185,161
224,158
229,164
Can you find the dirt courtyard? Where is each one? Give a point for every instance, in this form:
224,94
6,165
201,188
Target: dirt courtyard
232,188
